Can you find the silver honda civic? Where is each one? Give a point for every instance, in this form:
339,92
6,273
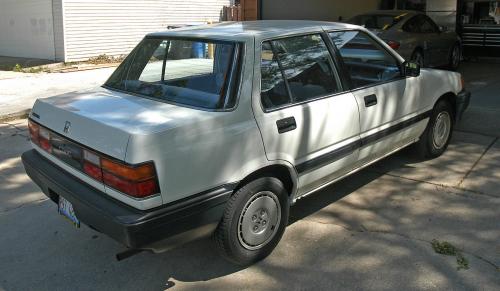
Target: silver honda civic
415,36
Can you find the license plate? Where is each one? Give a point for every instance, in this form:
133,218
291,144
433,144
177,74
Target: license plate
66,209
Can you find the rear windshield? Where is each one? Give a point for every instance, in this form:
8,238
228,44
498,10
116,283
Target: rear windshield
377,21
195,73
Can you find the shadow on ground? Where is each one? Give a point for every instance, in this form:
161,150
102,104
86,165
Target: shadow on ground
369,231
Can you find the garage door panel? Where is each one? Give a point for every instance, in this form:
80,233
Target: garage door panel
26,29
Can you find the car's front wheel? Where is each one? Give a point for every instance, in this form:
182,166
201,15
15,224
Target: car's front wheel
436,137
254,221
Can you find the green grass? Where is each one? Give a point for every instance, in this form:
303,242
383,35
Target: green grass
20,69
17,68
446,248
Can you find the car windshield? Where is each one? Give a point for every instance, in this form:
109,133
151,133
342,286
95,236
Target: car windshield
377,21
196,73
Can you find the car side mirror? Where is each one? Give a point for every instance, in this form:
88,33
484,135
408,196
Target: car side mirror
411,69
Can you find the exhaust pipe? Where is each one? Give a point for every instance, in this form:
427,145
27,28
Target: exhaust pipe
127,254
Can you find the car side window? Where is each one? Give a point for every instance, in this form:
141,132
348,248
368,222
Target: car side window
421,24
428,26
296,69
366,61
412,25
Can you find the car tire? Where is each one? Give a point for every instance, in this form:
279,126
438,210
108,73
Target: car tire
254,221
455,57
437,135
418,57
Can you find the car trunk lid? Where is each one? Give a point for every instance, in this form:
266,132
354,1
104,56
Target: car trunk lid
104,120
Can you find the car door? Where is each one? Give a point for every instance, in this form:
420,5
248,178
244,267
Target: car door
388,101
304,115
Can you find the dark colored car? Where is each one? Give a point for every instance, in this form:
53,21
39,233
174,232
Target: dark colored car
415,36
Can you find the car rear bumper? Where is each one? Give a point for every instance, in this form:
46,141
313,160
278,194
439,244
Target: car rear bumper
463,101
157,229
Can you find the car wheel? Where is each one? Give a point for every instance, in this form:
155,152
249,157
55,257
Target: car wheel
254,221
436,137
418,57
455,57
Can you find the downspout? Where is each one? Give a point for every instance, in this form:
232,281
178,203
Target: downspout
53,29
259,9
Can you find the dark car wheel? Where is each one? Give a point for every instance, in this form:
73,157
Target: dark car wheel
455,57
418,57
254,221
436,137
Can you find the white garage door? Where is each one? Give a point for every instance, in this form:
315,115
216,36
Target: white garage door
26,29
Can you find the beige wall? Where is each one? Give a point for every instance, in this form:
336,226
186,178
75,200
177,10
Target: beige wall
328,10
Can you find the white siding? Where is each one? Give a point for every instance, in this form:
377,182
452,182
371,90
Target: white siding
114,27
26,29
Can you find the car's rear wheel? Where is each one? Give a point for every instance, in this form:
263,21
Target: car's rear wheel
455,57
254,221
436,137
418,57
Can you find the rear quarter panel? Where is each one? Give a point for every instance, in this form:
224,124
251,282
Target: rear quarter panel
407,41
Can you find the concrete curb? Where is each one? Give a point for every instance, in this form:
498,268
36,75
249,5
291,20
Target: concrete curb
13,116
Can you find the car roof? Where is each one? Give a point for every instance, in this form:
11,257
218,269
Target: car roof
252,30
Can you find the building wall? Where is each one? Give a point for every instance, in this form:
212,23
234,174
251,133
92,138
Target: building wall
444,12
26,29
114,27
328,10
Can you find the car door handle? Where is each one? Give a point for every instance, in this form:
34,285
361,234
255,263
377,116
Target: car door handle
286,124
370,100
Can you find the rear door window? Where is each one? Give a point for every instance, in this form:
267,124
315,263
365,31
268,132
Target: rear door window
421,24
428,26
295,70
412,25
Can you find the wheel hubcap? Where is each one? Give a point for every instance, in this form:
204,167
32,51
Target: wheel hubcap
441,131
259,220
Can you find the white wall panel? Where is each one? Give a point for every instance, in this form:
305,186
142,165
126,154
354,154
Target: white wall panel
114,27
26,29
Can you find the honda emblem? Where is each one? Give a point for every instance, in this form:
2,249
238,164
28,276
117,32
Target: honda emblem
67,126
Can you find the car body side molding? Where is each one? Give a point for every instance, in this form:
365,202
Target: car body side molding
344,151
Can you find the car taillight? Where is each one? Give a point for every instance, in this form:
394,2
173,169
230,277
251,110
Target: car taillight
139,181
34,131
394,44
92,165
44,139
135,180
39,136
